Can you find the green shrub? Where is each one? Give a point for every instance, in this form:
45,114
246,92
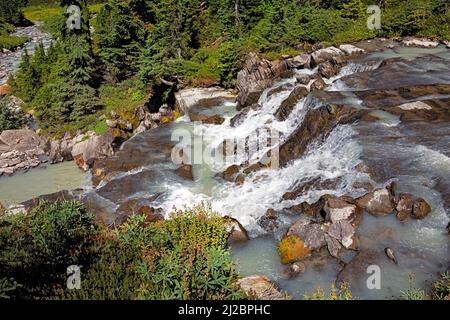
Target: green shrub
341,293
59,103
11,11
441,288
7,286
413,293
10,119
184,257
181,258
37,248
11,43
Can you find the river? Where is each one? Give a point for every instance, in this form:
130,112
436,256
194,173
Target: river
9,62
415,153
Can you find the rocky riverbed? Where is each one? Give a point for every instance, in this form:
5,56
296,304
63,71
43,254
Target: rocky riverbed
9,61
364,166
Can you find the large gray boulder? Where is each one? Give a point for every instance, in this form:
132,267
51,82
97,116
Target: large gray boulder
187,98
379,202
326,54
95,147
21,149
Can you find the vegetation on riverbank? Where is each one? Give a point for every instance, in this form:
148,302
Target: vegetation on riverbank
166,45
440,289
10,14
9,118
184,257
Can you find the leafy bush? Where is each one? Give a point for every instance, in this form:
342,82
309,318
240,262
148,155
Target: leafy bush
441,288
181,258
36,249
11,11
11,43
184,257
6,287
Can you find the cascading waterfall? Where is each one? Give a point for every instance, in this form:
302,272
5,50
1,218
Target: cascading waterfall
335,158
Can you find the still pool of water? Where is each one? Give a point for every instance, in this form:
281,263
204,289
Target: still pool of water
40,181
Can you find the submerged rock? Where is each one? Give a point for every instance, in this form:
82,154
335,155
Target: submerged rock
269,221
294,270
317,122
260,288
240,179
421,209
239,118
215,119
357,267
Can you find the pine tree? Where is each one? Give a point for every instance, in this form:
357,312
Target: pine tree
353,9
120,38
26,82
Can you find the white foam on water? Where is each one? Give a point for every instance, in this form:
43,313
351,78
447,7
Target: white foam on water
260,121
334,158
335,84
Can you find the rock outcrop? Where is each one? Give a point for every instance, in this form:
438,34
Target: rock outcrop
21,149
326,54
288,105
257,75
349,49
317,123
421,43
188,98
303,61
94,147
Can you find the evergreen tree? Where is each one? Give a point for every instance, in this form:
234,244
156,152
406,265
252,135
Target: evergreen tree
27,80
353,9
9,118
120,38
